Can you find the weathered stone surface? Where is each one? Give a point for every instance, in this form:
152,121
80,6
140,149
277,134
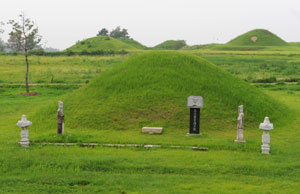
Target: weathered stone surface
240,126
60,119
266,126
24,123
152,130
195,102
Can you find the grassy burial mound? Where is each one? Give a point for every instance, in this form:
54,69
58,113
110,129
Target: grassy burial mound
152,90
170,45
133,43
100,43
258,37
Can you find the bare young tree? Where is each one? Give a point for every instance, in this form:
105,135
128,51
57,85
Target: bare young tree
24,37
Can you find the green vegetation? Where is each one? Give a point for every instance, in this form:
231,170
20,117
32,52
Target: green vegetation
258,37
100,43
133,43
151,90
55,70
171,45
225,168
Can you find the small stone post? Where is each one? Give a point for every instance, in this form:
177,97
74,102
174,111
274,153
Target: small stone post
24,123
60,118
240,126
266,126
195,103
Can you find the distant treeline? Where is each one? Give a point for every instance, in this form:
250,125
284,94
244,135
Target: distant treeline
66,53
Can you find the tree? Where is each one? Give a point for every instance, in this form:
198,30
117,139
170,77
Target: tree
24,37
2,44
103,32
118,33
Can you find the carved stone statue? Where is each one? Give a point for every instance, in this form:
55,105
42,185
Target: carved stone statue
60,118
240,125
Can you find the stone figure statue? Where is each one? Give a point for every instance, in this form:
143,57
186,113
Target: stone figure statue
240,125
60,118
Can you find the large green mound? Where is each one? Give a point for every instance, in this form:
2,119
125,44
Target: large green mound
258,37
170,45
133,43
152,90
100,43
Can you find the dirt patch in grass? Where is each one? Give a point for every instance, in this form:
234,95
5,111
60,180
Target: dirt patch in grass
30,94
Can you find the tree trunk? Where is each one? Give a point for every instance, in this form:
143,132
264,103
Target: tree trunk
27,71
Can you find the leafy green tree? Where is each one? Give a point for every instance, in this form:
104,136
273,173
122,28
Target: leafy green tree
103,32
119,33
24,37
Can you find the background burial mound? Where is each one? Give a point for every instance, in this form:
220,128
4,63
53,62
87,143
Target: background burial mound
259,37
152,90
105,43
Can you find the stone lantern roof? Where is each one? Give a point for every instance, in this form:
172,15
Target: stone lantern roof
266,125
24,122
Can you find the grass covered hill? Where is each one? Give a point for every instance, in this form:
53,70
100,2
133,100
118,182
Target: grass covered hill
258,37
133,43
101,43
152,90
170,45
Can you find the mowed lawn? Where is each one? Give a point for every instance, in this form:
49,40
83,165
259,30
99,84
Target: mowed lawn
225,168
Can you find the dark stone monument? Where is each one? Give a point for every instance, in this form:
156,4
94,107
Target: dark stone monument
60,118
195,103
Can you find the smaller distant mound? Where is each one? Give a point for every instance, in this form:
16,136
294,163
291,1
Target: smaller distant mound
100,43
133,43
259,37
171,45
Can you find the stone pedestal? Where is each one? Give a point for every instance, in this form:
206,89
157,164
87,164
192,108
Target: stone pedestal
24,138
265,148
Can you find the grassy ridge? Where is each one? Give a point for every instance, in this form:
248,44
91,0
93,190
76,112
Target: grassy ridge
152,89
101,43
133,43
264,38
170,45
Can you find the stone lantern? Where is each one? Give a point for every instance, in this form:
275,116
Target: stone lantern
24,123
266,126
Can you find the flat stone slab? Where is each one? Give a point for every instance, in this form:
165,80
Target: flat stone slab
152,130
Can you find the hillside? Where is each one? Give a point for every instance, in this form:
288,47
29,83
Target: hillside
101,43
258,37
152,89
133,43
170,45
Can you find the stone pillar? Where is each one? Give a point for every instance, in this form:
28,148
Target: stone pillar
266,126
240,125
195,103
24,123
60,119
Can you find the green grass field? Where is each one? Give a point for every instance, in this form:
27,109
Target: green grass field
225,168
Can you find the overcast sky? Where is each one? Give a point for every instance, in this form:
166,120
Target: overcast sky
63,22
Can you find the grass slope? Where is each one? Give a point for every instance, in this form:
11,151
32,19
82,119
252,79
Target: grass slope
171,45
263,38
133,43
101,43
152,89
